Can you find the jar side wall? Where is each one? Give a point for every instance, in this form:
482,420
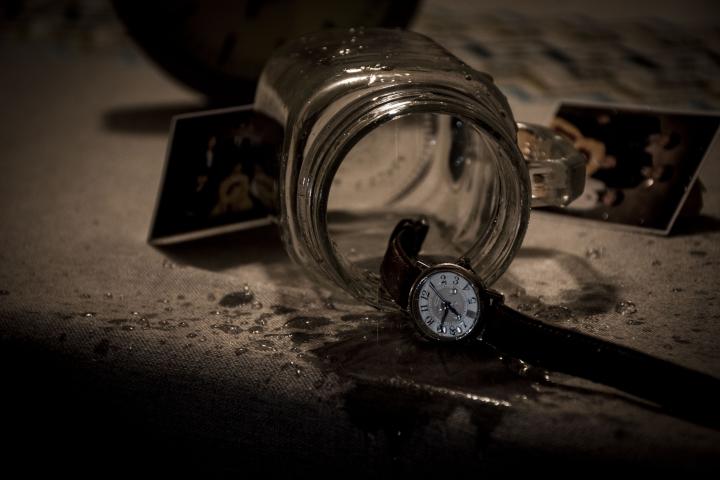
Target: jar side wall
491,258
323,103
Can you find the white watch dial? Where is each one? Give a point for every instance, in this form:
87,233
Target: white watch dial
446,304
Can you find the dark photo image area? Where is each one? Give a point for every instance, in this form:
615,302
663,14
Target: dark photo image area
220,172
641,163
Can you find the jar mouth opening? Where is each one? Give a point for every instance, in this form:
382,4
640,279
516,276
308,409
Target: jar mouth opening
489,238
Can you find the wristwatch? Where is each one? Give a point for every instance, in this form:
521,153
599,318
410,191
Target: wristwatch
448,303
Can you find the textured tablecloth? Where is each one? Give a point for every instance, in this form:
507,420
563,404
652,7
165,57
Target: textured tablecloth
219,356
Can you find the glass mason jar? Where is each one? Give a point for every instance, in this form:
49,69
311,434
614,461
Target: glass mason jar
386,124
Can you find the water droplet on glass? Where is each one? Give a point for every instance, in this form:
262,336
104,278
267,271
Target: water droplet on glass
182,324
108,295
240,351
128,328
468,77
191,335
88,314
257,305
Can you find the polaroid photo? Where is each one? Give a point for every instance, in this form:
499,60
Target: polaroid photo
642,163
220,175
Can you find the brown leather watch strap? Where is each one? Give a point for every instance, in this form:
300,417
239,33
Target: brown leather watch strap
399,267
688,393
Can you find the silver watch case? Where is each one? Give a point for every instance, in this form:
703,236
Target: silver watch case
485,296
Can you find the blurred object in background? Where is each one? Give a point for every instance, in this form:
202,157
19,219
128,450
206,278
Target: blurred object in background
655,53
63,25
219,47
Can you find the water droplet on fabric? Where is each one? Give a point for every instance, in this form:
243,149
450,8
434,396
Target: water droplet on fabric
265,346
307,323
236,299
626,307
228,328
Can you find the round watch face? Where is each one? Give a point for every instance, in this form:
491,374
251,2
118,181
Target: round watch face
445,303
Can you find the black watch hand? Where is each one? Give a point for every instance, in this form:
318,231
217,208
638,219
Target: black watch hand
438,294
447,304
442,322
452,308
